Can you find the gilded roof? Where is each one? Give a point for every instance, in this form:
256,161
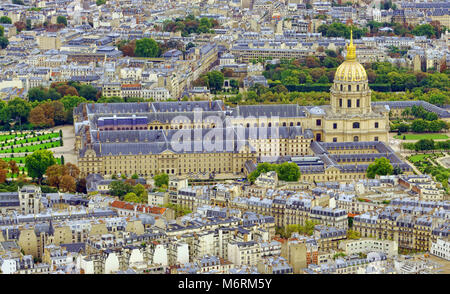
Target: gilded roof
350,70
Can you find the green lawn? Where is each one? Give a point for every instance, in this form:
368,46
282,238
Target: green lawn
418,157
29,140
421,136
10,137
32,148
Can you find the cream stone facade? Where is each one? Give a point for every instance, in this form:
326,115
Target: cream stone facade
129,138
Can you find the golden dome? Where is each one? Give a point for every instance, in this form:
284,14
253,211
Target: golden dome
350,70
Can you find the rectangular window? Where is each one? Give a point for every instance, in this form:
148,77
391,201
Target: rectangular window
335,126
375,139
349,103
340,102
334,139
357,102
318,122
376,125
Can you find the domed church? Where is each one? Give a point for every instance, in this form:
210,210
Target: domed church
351,117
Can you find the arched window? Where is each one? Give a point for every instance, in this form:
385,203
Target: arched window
356,125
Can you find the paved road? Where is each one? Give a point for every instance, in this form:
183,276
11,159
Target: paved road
68,150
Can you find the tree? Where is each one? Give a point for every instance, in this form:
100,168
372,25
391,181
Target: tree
141,192
5,19
312,62
147,47
59,114
331,53
438,98
424,30
88,92
3,42
81,186
382,166
402,127
128,48
61,20
28,24
288,171
119,188
19,108
215,80
71,170
424,144
235,84
3,173
189,46
323,80
330,62
37,94
54,173
280,89
38,162
161,179
42,116
13,167
66,90
69,103
419,126
261,168
67,184
20,26
131,197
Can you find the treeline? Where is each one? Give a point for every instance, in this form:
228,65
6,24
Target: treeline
338,29
432,30
145,47
278,95
46,107
128,190
427,144
317,75
281,95
3,40
287,171
190,25
425,121
420,126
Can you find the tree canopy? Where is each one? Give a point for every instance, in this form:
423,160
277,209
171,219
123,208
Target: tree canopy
147,47
161,180
5,19
287,171
382,167
61,20
38,162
